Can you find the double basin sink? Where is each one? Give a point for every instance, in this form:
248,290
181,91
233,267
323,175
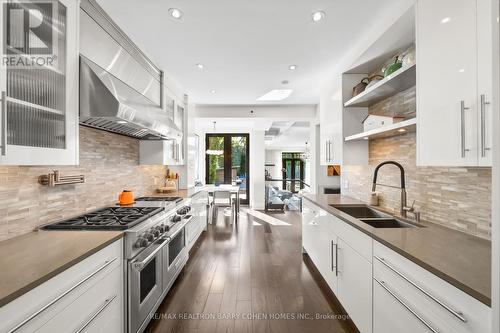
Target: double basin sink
373,217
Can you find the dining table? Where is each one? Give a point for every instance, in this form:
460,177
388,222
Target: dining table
233,189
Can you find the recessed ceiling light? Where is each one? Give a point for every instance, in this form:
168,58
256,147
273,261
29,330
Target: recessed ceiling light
175,13
200,66
318,16
445,20
401,130
276,95
213,91
292,67
365,138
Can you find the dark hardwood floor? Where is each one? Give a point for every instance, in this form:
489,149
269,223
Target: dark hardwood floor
250,278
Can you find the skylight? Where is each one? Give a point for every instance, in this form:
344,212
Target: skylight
276,95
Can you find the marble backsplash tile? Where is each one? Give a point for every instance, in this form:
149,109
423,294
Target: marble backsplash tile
110,163
455,197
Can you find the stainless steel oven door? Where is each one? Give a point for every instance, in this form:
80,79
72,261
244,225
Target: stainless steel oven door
145,284
174,257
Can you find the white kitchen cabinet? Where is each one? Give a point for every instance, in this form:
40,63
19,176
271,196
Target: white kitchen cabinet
391,314
87,295
167,152
320,242
347,272
330,118
98,310
487,21
157,152
355,286
39,107
407,295
199,221
381,290
454,55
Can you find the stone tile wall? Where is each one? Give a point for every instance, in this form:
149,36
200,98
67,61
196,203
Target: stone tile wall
110,163
458,198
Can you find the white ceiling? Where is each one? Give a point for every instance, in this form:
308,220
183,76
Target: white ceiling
246,46
292,135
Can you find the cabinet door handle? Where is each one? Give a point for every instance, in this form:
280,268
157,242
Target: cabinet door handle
79,283
458,314
326,151
483,125
334,245
403,303
331,256
98,312
330,150
462,128
3,116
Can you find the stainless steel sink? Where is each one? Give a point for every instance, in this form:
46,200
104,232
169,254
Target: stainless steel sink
361,211
388,223
373,217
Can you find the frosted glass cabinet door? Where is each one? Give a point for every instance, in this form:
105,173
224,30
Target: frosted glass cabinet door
179,122
446,82
39,84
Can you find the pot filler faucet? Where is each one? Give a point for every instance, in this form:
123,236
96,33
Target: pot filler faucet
403,207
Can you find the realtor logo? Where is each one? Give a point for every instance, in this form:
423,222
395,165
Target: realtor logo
30,32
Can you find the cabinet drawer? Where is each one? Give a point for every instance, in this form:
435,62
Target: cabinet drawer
35,308
440,304
99,307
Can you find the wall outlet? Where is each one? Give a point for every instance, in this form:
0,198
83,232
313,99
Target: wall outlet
346,184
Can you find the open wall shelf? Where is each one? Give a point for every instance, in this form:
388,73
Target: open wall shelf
400,128
400,80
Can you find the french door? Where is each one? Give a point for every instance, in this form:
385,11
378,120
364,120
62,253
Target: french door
227,161
293,168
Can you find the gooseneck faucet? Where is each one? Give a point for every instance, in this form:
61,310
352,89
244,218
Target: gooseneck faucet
402,187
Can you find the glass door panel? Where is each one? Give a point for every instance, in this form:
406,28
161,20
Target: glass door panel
293,168
287,174
298,173
215,160
227,161
239,172
36,94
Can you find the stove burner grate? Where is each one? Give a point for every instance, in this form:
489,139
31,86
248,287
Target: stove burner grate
110,218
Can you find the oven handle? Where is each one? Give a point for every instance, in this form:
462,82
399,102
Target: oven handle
179,230
139,265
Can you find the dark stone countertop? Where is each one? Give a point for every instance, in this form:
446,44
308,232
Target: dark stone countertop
458,258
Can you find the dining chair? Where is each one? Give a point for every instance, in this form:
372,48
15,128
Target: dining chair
221,199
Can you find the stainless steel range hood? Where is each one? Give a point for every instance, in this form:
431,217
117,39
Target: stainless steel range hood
121,90
108,103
